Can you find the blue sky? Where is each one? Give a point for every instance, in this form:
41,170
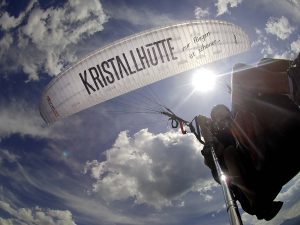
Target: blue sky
104,167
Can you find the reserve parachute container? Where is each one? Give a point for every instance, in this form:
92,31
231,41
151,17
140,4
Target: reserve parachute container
137,61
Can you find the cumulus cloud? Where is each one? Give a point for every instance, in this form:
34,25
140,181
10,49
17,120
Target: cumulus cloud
21,118
289,8
5,43
295,46
264,43
200,13
152,169
43,39
37,215
72,196
8,22
268,49
280,27
224,5
204,197
295,4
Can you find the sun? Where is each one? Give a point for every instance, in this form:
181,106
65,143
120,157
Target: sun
204,80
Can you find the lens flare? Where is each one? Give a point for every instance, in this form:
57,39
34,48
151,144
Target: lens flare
204,80
223,177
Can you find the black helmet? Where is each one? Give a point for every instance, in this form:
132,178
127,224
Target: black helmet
221,117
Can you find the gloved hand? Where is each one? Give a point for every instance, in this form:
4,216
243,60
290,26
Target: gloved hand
209,162
205,125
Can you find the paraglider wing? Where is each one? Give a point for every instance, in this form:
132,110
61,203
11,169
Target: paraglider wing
137,61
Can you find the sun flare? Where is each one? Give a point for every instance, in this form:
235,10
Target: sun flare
204,80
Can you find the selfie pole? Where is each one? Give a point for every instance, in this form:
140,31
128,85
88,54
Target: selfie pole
231,206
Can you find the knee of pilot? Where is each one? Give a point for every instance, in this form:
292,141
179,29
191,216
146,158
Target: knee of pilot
230,152
238,72
238,67
265,60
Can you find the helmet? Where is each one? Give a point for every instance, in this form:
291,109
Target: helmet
221,117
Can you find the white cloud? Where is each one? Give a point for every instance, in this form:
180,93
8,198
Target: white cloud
200,13
37,215
268,49
223,5
21,118
288,8
264,44
9,156
8,22
295,3
280,27
152,169
292,189
5,44
93,210
295,46
44,39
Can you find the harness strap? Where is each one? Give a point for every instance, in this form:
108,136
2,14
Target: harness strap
183,131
